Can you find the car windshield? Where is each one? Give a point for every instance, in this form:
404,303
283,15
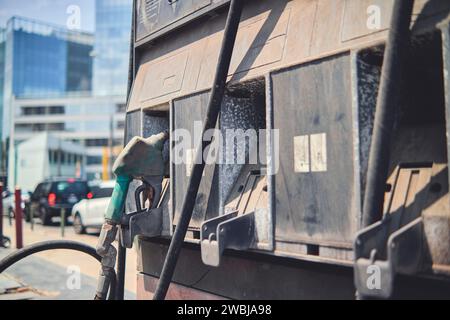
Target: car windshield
102,192
68,187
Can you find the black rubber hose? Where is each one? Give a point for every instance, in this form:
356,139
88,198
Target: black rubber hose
396,54
20,254
215,102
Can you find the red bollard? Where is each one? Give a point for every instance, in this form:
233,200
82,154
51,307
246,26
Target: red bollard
1,212
18,216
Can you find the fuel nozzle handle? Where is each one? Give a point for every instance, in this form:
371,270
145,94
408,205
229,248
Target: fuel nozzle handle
140,158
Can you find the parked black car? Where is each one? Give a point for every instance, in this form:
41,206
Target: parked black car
51,196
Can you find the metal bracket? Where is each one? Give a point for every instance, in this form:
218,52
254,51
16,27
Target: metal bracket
374,276
229,231
394,245
147,223
143,222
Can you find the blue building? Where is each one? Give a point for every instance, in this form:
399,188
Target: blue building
61,82
47,60
112,38
42,60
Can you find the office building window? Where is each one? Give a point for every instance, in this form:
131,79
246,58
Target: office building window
121,108
94,160
96,142
120,124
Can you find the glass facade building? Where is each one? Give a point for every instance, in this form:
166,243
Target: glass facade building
43,60
70,84
48,60
112,38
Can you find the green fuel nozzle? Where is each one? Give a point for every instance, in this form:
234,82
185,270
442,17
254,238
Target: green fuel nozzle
140,158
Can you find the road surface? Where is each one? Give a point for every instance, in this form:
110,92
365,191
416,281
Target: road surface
60,274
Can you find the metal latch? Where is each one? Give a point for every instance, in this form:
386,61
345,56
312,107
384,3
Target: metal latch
229,231
393,245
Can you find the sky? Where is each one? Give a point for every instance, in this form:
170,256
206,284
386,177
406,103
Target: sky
52,11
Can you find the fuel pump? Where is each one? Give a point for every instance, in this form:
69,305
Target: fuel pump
141,159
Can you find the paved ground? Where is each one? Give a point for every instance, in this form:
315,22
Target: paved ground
51,273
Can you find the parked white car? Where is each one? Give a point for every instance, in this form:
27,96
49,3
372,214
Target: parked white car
9,202
89,213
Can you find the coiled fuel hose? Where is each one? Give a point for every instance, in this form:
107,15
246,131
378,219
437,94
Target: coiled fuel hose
18,255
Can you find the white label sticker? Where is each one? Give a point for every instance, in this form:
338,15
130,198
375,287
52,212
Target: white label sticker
318,152
301,154
310,153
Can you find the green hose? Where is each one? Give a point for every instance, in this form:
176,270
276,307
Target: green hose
117,203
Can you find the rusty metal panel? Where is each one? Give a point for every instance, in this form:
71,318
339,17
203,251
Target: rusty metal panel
133,125
170,79
154,15
146,287
361,16
327,27
272,35
398,244
250,277
261,41
219,180
314,186
364,17
188,114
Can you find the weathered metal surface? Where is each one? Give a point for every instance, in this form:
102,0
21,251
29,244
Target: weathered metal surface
154,123
254,278
356,22
237,114
406,240
272,35
156,17
312,109
330,44
188,114
216,188
146,286
366,66
436,223
133,125
394,245
251,277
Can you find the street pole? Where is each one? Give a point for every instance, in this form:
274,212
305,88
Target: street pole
1,213
63,222
111,144
30,214
18,216
59,158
